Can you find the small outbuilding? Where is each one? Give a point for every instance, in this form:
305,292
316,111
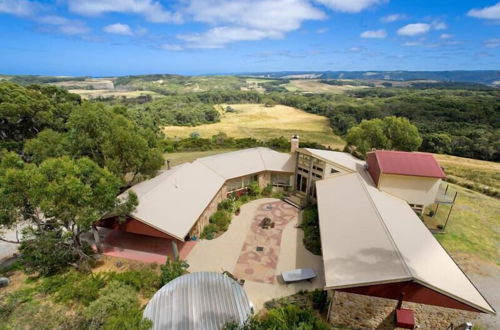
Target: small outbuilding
198,301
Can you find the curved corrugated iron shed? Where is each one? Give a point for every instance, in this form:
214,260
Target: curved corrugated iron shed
198,301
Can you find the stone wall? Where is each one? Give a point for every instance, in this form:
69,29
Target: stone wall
264,179
363,312
204,218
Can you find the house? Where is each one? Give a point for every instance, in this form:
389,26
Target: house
177,204
372,240
412,176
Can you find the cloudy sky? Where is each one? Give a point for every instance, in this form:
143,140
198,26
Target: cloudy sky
120,37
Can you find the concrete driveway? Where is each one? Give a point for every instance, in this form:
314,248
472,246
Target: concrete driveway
228,250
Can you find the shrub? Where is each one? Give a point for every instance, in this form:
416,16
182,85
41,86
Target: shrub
319,300
144,280
268,190
74,287
221,219
116,308
172,269
46,252
209,231
310,226
254,189
226,204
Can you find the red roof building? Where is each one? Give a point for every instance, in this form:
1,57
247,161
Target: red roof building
402,163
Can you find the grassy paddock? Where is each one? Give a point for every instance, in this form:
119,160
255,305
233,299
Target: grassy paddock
262,123
479,175
473,228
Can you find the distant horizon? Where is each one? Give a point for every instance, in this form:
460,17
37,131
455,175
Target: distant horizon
102,38
241,73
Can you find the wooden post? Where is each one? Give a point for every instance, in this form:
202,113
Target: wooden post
309,178
175,250
451,208
330,304
97,238
296,170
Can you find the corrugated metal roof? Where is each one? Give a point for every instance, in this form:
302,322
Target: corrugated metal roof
371,237
173,201
340,158
198,301
406,163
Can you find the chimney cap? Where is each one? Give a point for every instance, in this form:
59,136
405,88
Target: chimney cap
295,136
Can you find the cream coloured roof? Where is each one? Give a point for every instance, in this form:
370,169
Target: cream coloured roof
341,158
370,237
173,201
247,161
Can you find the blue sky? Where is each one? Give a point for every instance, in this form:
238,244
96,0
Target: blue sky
121,37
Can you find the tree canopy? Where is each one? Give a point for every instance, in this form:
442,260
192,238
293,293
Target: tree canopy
387,133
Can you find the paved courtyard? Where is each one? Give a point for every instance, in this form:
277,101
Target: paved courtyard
235,251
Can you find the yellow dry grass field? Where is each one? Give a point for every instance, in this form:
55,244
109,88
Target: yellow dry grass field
314,86
262,123
95,93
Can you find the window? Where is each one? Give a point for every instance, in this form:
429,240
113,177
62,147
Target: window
280,180
333,171
303,169
317,168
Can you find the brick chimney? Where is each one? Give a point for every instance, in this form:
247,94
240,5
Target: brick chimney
294,143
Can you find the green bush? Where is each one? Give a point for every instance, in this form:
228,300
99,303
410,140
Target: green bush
46,252
254,189
74,287
227,204
319,299
221,219
268,190
116,308
310,226
209,231
172,269
144,280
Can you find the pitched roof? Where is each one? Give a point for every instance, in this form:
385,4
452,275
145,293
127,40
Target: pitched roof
370,237
203,300
406,163
343,159
173,201
247,161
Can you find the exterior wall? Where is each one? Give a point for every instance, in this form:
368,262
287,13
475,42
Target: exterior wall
356,311
264,179
131,225
336,171
373,168
413,189
204,218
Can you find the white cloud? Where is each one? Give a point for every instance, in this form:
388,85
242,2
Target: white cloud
414,29
218,37
492,43
118,28
412,43
152,10
245,20
445,36
378,34
59,24
492,12
21,8
172,47
393,18
350,6
322,30
438,25
354,49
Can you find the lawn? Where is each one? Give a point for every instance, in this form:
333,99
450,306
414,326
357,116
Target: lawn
262,123
473,228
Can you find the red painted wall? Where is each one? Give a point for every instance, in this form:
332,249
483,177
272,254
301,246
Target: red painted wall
373,167
131,225
413,292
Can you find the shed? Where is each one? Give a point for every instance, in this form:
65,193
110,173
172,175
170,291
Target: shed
198,301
